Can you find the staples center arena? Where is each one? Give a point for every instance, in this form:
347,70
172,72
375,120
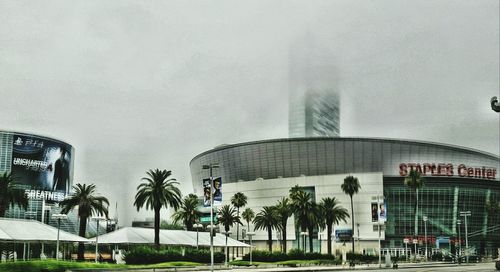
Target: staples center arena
457,179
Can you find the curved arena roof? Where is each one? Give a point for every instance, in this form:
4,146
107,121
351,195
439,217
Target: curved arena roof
294,157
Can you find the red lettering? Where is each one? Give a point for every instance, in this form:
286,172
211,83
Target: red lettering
449,170
403,170
462,170
418,168
470,172
427,168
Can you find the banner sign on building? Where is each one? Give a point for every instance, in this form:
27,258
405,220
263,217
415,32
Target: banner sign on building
44,166
343,235
382,212
379,212
216,193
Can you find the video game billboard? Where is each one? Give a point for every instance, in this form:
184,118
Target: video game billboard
43,165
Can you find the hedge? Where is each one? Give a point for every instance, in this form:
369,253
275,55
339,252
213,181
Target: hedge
148,255
294,254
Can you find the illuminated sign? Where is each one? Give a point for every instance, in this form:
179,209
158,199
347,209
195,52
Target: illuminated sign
448,169
42,166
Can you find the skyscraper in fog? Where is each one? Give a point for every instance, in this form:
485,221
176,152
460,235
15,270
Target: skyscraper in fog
314,108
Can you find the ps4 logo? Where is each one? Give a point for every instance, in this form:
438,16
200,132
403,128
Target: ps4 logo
19,141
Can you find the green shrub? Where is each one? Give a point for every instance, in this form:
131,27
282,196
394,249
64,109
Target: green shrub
294,254
360,258
202,256
148,255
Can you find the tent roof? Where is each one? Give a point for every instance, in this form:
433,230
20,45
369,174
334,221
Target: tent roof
131,235
32,230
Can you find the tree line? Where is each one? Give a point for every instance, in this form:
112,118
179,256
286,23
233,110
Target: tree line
158,190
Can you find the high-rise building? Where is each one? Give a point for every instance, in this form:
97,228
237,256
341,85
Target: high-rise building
314,108
314,113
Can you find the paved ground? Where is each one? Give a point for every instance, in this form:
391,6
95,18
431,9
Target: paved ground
481,267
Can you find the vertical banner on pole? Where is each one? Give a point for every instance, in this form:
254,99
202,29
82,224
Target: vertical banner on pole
216,192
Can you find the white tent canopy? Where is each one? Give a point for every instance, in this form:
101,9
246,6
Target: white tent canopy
131,235
33,231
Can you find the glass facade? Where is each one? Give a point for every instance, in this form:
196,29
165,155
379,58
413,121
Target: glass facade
441,201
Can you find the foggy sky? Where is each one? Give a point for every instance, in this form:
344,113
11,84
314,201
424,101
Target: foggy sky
136,85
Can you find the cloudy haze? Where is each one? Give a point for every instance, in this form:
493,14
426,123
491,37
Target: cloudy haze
136,85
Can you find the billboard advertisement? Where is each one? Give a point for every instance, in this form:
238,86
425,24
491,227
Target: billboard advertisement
42,165
216,193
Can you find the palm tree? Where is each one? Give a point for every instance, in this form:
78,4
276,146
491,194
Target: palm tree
187,212
333,213
10,194
415,182
89,204
248,215
302,206
238,200
158,191
267,219
350,187
314,218
284,211
228,217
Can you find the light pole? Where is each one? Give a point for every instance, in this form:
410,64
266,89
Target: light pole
459,223
226,251
319,234
359,240
211,167
250,234
425,226
197,226
465,214
97,219
303,234
58,216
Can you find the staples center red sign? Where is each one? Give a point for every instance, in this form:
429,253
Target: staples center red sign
448,169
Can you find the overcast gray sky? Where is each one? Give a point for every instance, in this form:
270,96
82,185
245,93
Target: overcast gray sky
134,85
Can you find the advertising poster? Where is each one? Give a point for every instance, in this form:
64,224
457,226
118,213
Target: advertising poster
382,215
374,212
42,164
216,193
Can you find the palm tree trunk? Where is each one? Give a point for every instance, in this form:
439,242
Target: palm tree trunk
157,228
352,224
81,232
311,231
329,238
238,225
284,237
270,238
237,234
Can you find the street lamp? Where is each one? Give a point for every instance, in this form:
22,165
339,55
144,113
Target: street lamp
459,223
197,226
250,234
58,216
465,214
226,251
97,219
211,167
425,225
303,234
